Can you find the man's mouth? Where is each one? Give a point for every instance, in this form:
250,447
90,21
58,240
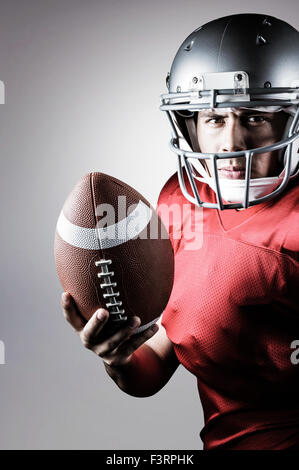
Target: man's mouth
232,172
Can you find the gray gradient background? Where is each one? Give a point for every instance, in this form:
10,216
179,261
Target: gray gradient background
83,80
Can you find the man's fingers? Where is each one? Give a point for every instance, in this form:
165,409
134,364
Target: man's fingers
89,335
121,354
101,348
134,342
71,312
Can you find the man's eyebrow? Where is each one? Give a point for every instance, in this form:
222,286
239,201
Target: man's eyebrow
211,114
245,112
257,112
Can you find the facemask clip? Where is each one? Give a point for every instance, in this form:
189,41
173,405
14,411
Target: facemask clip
240,83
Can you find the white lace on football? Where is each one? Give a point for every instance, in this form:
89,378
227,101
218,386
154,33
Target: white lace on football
117,314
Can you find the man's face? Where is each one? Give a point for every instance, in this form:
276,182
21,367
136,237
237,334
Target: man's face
232,130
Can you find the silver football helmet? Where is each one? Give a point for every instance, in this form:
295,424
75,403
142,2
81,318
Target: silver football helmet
239,61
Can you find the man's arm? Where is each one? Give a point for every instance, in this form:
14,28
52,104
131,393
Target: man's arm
149,369
139,364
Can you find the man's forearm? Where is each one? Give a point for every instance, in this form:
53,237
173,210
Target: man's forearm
143,376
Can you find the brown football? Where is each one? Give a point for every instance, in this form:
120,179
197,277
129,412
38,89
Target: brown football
112,251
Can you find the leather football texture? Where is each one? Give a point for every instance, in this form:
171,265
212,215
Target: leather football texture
112,250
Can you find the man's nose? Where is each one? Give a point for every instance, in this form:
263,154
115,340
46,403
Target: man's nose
233,137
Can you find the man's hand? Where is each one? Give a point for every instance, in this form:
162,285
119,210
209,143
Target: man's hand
115,350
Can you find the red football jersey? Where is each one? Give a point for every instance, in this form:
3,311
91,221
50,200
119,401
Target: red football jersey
233,314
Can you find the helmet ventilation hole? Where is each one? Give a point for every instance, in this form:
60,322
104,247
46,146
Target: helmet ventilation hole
266,22
260,40
189,46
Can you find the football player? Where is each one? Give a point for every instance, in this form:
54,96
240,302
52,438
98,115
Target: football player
233,314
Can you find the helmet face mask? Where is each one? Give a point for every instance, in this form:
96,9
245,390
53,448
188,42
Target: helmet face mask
234,62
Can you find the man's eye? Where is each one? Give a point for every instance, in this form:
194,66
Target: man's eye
255,119
215,120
